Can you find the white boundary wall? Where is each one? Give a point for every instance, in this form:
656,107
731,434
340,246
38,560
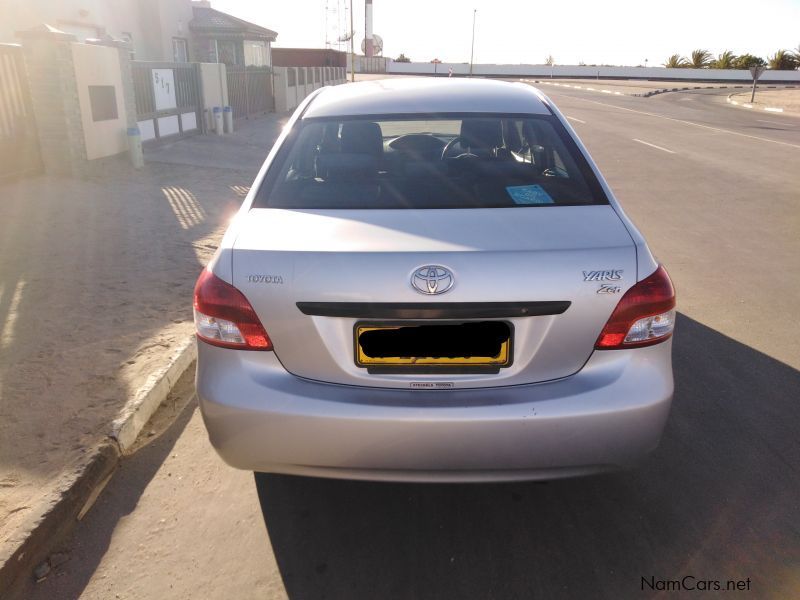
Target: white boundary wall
292,84
583,72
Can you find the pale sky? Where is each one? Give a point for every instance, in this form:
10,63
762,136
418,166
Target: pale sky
623,32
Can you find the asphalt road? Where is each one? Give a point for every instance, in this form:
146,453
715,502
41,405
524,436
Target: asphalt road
715,191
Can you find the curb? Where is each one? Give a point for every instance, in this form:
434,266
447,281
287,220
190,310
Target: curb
138,410
57,514
639,95
748,105
54,517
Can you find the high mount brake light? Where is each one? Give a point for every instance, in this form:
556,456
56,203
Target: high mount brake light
644,316
223,316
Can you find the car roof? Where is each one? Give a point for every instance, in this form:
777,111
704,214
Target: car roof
427,95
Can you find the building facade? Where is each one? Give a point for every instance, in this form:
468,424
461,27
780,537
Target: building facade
157,30
220,37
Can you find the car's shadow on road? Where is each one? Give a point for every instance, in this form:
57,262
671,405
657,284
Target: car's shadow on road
718,500
92,537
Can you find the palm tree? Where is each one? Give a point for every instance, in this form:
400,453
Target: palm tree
796,54
782,60
676,61
745,61
701,59
724,60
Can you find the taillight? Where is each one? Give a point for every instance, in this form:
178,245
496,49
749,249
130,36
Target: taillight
644,316
224,317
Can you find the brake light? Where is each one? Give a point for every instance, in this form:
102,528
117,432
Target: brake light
223,316
644,316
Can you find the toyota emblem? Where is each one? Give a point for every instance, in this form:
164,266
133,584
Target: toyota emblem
432,279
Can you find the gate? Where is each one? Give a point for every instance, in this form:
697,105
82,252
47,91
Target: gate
169,100
249,90
19,145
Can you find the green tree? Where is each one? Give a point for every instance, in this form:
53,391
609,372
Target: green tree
745,61
796,54
676,61
402,58
550,60
701,59
782,60
724,60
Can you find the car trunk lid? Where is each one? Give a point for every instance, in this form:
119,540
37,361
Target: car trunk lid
566,267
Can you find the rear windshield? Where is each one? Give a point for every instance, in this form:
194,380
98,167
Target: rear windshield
440,161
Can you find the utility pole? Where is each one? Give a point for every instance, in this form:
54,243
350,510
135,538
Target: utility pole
472,51
352,49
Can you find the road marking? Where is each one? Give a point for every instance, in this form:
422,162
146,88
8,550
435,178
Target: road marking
653,146
770,109
649,114
578,120
774,122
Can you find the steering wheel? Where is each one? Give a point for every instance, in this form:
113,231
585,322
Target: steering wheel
449,145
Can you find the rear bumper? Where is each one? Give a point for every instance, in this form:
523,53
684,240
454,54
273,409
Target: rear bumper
261,418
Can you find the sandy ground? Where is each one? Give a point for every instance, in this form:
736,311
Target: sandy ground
788,100
96,278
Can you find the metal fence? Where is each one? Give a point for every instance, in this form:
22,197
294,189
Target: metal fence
19,145
250,90
169,99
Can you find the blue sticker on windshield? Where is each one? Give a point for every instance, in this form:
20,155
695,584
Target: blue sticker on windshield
529,194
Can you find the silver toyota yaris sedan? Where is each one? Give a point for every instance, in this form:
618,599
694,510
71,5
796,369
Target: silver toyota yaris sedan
430,280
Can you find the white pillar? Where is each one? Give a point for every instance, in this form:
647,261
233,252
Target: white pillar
369,46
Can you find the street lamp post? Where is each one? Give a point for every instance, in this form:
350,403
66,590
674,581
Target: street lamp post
472,51
352,48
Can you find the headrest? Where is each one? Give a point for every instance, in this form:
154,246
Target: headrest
481,133
362,137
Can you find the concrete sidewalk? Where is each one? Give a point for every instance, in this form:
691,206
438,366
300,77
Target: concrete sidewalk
786,100
96,277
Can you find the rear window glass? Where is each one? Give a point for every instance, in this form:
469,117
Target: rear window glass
441,161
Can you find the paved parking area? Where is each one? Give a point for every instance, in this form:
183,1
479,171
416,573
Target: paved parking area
718,501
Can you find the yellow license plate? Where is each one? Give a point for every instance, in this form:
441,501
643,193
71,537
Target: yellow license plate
449,344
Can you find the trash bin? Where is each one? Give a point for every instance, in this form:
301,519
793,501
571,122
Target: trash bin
218,125
135,147
227,113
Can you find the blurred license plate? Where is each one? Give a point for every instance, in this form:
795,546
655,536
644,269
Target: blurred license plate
486,343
